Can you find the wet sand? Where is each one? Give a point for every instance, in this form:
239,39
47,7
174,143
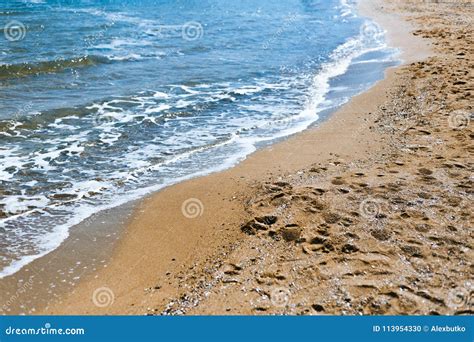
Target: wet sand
367,213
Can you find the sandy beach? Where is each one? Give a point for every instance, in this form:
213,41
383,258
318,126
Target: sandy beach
368,212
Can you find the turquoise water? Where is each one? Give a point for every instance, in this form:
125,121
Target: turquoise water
103,102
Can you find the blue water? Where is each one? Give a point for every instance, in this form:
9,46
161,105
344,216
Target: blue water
105,101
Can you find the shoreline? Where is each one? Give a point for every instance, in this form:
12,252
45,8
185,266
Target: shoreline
208,245
325,76
39,271
337,78
220,196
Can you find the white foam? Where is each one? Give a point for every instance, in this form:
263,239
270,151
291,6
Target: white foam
20,204
128,57
249,132
189,90
109,138
113,17
157,109
160,95
34,1
118,43
347,8
248,90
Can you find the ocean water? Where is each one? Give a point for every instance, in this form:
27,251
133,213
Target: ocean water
102,102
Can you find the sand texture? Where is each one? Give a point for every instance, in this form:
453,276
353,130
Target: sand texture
386,234
369,213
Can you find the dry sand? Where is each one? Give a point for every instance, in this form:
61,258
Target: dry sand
368,213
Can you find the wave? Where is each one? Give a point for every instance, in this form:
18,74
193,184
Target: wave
347,8
8,71
199,157
176,106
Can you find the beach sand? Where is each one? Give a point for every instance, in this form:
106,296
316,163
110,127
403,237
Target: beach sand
370,212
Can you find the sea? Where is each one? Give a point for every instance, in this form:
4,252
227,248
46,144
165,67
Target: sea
103,102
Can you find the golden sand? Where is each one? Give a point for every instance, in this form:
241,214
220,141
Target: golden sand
368,213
